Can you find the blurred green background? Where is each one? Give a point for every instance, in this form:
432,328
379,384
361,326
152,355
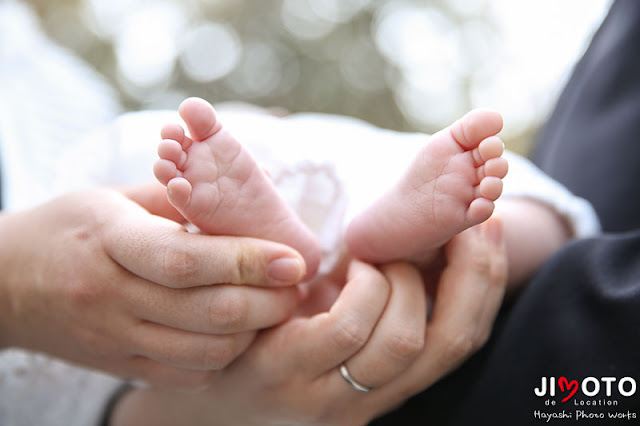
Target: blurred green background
406,65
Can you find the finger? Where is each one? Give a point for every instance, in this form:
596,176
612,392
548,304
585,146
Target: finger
186,350
399,335
460,296
161,251
460,305
327,339
477,269
153,197
497,284
220,309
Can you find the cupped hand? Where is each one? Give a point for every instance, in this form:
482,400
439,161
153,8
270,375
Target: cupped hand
377,328
96,279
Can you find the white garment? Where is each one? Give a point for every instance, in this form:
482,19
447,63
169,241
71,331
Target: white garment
327,167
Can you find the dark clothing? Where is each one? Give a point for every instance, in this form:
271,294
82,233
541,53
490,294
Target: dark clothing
579,317
591,143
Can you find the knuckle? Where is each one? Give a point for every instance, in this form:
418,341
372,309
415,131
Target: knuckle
179,263
228,311
481,264
349,333
404,345
242,270
82,294
460,346
217,356
82,287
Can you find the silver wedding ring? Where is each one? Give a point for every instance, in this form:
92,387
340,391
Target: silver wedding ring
353,382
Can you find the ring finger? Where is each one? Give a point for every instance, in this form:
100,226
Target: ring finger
399,335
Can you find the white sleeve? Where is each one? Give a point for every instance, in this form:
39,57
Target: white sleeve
526,180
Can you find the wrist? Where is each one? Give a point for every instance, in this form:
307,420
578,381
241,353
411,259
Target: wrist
20,251
7,278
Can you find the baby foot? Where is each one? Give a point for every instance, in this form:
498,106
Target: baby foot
450,186
216,184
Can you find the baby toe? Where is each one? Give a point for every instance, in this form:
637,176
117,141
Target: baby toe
172,151
179,192
200,118
165,170
172,131
490,188
496,167
479,210
476,126
491,147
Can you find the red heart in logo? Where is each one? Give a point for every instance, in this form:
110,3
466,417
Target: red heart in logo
571,386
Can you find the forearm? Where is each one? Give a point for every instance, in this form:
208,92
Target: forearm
533,233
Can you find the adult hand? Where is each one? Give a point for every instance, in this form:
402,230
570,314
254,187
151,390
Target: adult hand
377,328
96,279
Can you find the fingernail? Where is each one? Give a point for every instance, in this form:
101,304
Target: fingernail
493,231
286,269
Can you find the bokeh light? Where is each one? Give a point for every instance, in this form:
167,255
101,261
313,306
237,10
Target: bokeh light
302,21
209,52
146,47
404,64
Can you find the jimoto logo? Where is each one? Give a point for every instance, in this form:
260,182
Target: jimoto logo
589,387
